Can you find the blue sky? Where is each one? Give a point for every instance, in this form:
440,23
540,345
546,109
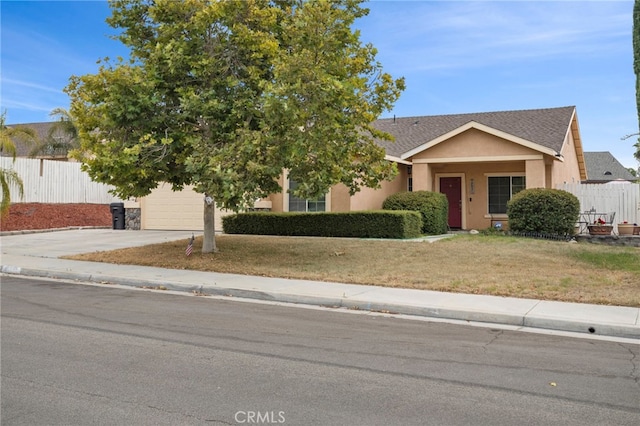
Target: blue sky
456,56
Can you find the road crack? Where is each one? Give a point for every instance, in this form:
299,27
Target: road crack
495,337
635,365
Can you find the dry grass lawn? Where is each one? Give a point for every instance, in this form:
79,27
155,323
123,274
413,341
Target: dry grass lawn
496,265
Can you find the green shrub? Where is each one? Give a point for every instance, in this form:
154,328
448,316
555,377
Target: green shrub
432,206
362,224
546,211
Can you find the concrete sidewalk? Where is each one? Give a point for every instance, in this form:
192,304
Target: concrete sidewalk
37,255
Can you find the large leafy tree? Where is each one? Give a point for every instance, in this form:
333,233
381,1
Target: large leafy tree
8,177
225,95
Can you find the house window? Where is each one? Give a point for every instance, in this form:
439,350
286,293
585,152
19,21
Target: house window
501,189
301,205
410,184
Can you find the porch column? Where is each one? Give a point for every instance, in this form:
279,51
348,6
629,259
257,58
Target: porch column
535,172
422,177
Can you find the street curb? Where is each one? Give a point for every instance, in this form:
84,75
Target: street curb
39,231
527,320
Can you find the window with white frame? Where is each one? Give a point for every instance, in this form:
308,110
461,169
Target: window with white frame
501,189
302,205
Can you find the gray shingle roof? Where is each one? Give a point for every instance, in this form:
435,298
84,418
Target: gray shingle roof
22,148
604,167
545,127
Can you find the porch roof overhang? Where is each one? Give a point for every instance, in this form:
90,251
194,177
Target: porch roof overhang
397,160
489,130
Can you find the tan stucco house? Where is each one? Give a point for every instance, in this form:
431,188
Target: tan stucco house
477,160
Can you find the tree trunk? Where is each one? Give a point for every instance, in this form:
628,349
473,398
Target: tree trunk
209,239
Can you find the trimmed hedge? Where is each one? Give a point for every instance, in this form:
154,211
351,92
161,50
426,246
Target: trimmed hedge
364,224
432,206
545,211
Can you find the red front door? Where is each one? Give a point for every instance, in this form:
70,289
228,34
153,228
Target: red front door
452,188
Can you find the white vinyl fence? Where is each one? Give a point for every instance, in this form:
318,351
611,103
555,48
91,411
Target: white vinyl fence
47,181
623,199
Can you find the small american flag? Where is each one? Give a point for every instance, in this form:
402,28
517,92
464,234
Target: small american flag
189,249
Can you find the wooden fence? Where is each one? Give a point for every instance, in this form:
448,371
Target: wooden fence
623,199
47,181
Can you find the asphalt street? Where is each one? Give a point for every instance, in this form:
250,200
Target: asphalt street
78,354
41,255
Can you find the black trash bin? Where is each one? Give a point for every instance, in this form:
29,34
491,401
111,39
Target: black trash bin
117,215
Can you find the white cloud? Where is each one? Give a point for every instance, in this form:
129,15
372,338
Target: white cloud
30,85
448,35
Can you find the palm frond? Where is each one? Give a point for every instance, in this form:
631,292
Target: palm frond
8,135
63,124
9,177
51,146
62,136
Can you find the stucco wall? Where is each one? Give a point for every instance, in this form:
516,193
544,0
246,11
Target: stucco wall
340,199
568,171
277,200
536,173
372,199
473,143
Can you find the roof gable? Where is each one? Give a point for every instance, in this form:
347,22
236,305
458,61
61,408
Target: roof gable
486,129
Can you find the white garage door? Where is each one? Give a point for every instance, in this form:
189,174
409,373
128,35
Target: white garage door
176,211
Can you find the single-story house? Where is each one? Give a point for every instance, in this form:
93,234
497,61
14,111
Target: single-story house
478,160
603,167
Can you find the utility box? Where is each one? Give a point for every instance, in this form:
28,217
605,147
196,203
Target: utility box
117,215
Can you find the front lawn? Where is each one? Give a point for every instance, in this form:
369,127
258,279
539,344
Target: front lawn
478,264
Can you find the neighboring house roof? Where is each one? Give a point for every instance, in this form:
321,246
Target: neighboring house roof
42,133
546,128
604,167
